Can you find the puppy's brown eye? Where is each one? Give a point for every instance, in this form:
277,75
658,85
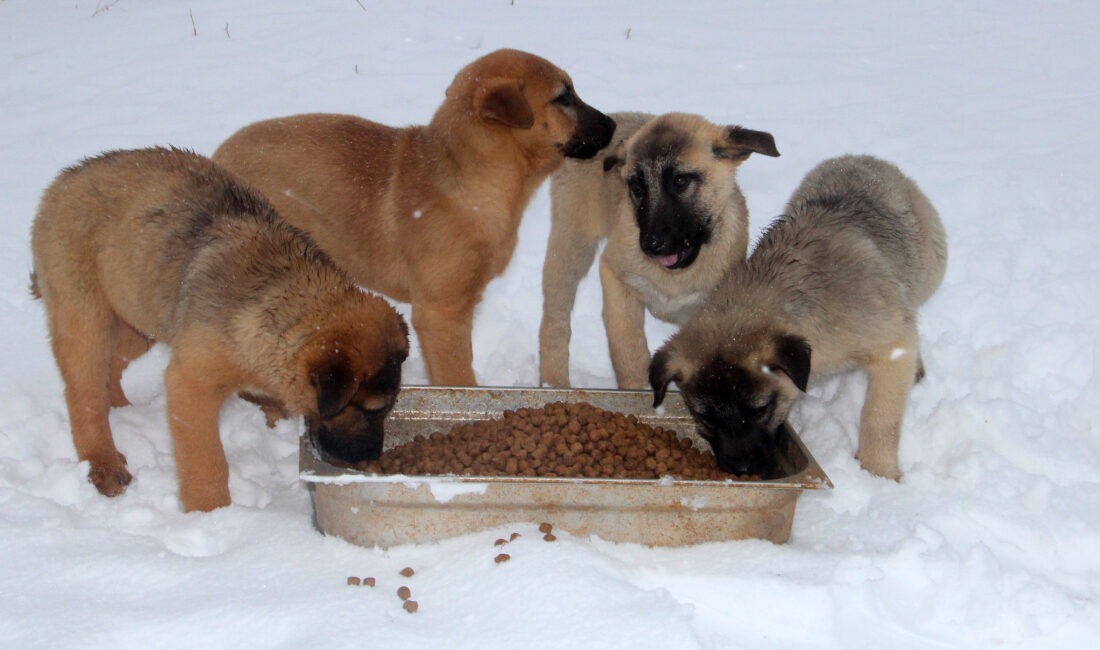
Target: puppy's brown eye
680,182
636,187
565,100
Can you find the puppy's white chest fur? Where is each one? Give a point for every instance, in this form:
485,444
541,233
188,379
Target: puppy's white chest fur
673,308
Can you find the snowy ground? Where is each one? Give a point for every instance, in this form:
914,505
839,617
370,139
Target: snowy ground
992,539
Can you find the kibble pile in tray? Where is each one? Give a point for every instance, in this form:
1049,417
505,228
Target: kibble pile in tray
556,440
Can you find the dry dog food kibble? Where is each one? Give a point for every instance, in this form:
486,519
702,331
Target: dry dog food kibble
549,537
407,572
500,542
404,592
503,557
411,606
545,527
352,580
560,439
368,582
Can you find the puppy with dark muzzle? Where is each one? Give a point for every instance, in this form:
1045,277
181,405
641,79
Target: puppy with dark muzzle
162,245
666,199
833,284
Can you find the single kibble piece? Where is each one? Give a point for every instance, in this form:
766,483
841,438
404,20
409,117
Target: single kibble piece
500,542
368,582
352,580
404,592
503,557
407,572
549,537
513,537
411,606
545,527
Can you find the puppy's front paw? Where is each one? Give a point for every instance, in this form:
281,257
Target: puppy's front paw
885,469
203,497
110,478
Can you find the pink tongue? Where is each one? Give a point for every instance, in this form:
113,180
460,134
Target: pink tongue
668,260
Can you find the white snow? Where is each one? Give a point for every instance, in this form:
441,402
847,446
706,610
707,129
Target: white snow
991,539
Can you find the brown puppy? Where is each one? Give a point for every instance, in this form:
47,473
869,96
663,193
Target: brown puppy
670,237
427,214
134,247
840,275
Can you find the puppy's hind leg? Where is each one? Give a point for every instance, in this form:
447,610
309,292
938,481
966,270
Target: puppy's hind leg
569,255
889,379
127,344
80,333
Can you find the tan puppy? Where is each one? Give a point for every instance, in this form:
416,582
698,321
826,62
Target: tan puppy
670,237
839,276
134,247
427,214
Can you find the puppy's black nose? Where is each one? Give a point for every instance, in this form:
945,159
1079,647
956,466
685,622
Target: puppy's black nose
606,130
738,465
354,445
740,468
654,245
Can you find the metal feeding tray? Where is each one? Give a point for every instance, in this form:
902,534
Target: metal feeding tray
387,510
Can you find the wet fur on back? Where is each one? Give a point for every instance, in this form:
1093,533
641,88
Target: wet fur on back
833,284
160,245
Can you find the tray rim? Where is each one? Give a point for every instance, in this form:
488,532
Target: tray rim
313,469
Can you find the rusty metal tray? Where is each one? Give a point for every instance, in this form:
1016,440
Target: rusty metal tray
387,510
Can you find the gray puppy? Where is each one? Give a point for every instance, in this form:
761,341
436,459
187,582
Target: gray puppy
840,277
666,199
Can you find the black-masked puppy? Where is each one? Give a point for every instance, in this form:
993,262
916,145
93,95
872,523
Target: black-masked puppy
427,214
835,283
161,245
667,201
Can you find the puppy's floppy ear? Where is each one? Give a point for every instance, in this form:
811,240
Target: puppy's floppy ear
501,100
616,158
793,359
335,383
739,143
405,335
660,376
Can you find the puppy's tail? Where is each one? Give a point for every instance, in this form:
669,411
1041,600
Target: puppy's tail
35,291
